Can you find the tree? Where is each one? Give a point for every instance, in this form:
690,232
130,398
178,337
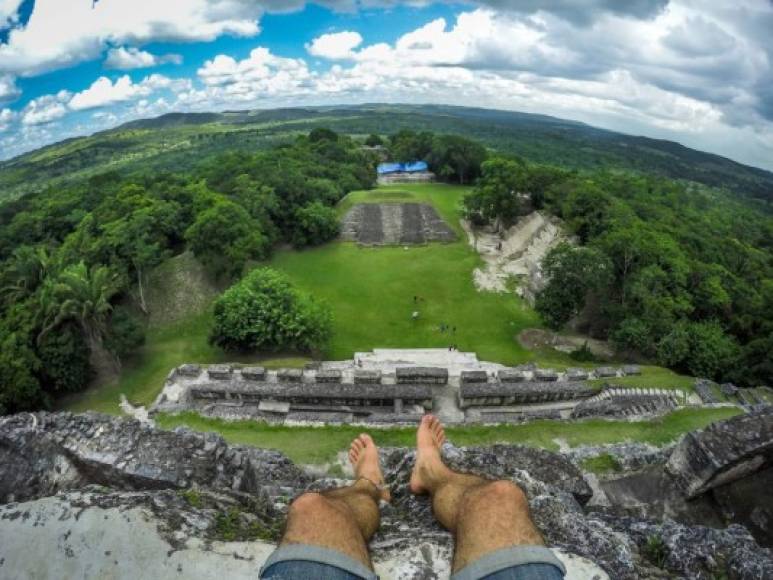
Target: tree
572,273
64,361
700,348
125,333
374,140
314,224
456,158
82,295
224,237
496,194
26,271
19,387
265,312
322,134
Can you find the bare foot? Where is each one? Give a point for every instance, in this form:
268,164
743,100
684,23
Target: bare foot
363,455
429,468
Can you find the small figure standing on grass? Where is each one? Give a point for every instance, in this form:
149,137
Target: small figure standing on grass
415,315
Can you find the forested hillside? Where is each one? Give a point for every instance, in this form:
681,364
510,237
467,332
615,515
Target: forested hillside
175,141
669,270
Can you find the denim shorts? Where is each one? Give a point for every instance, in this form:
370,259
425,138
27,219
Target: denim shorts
300,561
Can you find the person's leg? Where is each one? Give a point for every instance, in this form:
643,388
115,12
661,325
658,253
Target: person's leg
483,515
342,519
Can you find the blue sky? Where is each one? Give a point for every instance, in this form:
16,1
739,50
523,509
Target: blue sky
695,72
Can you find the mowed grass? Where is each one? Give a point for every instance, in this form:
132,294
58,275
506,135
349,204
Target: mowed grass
371,290
319,445
652,377
165,348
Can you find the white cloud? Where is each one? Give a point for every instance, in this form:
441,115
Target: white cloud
45,109
61,33
131,58
8,12
6,117
104,92
8,88
337,45
259,75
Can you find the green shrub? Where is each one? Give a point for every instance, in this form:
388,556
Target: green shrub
265,312
314,224
583,353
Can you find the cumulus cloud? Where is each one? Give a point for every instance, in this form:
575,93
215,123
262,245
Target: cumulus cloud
62,33
259,75
6,116
337,45
104,92
45,109
122,58
8,89
9,10
697,72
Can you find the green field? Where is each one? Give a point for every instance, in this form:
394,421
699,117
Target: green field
321,444
371,290
165,348
652,377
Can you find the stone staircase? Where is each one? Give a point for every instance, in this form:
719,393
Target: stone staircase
630,402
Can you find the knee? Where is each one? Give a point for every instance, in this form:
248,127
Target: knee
503,493
308,503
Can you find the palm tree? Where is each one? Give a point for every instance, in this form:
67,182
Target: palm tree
29,268
82,295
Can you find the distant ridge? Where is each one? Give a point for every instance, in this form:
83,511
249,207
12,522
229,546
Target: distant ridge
175,141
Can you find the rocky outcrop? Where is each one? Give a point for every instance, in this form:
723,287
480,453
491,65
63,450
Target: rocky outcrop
109,497
43,453
723,452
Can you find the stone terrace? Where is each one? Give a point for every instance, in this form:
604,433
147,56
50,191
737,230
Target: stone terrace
399,385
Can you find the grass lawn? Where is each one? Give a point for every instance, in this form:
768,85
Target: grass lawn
321,444
652,377
371,290
165,348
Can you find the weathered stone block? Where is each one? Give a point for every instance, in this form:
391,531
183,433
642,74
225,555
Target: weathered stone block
189,370
605,372
328,376
254,373
545,375
220,372
422,375
511,376
728,389
290,375
723,452
629,370
366,377
577,374
471,377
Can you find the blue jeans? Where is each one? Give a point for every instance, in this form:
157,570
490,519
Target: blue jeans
298,561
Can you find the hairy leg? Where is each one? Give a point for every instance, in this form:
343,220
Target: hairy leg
483,515
342,519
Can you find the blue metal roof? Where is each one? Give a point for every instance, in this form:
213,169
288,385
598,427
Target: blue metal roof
412,167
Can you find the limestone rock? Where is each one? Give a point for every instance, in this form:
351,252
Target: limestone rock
723,452
43,453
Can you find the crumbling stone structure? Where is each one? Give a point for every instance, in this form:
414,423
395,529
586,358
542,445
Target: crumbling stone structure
224,390
393,389
723,452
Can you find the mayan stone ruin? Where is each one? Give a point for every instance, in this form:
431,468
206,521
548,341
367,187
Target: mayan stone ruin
379,224
398,386
107,497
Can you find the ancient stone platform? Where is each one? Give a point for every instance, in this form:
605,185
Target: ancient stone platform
93,496
375,224
397,386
